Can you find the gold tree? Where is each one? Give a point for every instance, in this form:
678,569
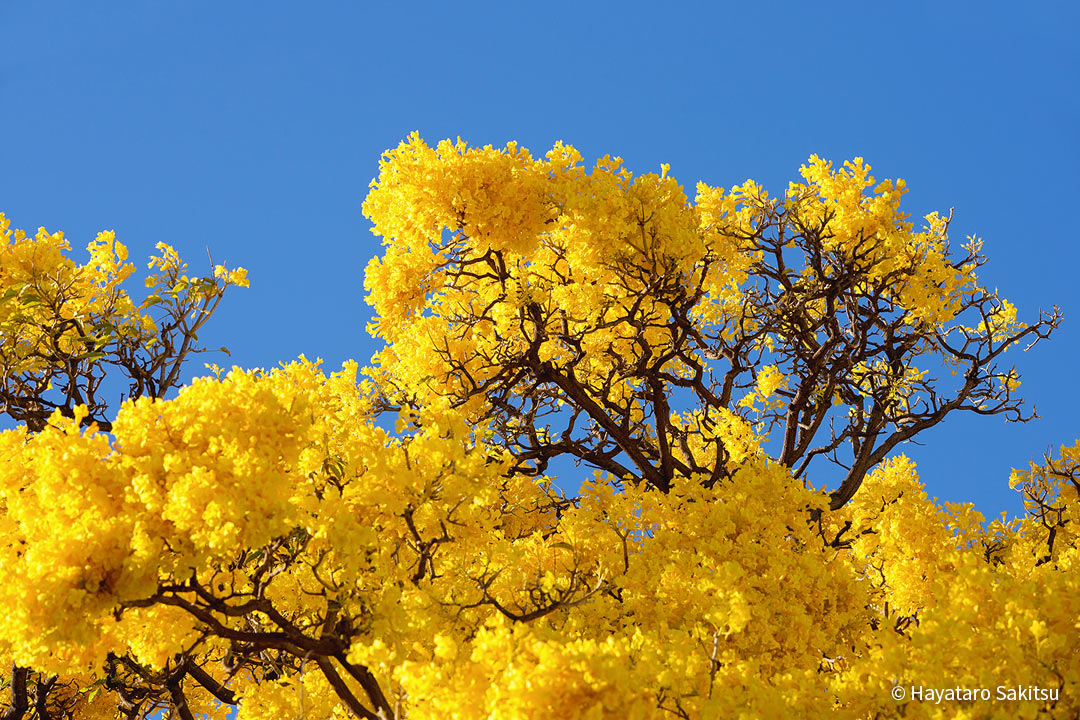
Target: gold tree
819,316
261,540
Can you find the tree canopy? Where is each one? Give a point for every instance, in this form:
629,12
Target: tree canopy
622,454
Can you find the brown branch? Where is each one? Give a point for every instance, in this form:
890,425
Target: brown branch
343,691
207,681
20,703
176,693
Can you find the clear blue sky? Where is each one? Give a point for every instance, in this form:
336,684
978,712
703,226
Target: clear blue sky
254,129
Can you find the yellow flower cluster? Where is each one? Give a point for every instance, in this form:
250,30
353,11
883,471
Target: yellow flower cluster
50,304
260,537
630,602
62,324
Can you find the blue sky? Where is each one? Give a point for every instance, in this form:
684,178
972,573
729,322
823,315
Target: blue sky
254,128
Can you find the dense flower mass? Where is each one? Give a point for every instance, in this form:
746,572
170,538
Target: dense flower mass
731,378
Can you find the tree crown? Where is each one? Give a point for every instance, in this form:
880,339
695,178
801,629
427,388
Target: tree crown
262,539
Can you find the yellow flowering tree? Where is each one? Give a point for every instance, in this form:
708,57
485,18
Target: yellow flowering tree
730,377
65,326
